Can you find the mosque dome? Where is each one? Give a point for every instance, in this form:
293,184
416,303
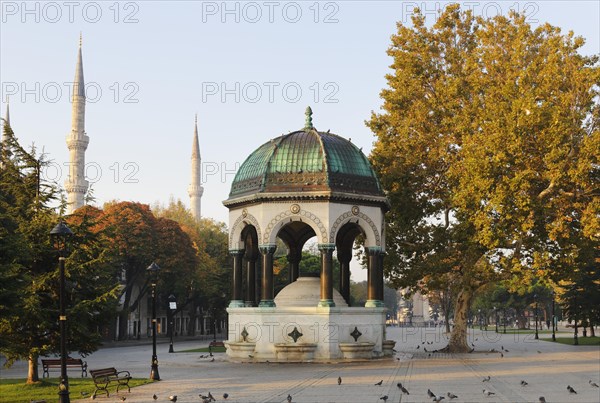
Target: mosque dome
305,292
306,160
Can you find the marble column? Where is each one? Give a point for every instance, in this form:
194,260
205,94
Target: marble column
236,291
326,275
267,295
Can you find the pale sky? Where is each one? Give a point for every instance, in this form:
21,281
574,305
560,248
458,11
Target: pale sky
249,69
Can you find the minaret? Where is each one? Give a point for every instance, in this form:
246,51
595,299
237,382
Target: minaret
2,138
77,142
195,190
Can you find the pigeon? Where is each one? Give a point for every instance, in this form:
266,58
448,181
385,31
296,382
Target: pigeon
289,398
85,394
402,388
571,390
594,384
123,398
422,342
501,355
210,397
425,349
250,356
430,393
173,398
154,397
472,344
379,383
542,399
213,359
501,347
471,350
384,398
418,347
488,393
487,379
506,351
438,398
539,352
523,383
452,396
225,396
339,380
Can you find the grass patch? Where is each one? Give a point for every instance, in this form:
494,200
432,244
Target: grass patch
583,341
203,350
17,391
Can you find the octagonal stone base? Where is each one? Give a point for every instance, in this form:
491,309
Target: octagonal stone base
325,327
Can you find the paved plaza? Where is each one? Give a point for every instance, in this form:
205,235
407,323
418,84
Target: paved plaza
547,368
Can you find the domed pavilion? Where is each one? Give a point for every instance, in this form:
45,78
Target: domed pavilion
294,187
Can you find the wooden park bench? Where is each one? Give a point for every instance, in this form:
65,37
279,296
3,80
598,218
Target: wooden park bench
54,363
105,376
215,344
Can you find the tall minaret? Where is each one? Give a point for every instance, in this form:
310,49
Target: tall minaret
2,138
77,142
195,190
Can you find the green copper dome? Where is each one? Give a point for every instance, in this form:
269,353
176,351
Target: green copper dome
306,161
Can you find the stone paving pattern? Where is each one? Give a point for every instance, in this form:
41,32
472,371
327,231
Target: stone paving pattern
547,367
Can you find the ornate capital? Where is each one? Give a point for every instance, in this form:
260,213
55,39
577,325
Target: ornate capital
326,247
373,250
267,249
236,252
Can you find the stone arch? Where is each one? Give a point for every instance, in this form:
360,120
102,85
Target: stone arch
373,238
295,214
235,233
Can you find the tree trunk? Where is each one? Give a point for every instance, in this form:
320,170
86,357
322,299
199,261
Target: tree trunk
32,373
458,338
592,330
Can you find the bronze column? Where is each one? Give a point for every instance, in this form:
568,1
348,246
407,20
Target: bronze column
293,259
326,275
374,279
236,292
344,259
267,277
380,283
251,281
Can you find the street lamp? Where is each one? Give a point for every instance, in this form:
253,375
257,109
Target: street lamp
504,317
153,271
172,308
536,316
480,322
59,235
553,318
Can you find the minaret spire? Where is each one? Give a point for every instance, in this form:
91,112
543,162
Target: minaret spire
7,117
195,190
2,137
77,141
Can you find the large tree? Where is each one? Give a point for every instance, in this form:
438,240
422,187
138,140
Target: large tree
488,149
29,300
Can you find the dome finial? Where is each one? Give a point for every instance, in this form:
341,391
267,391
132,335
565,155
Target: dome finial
308,123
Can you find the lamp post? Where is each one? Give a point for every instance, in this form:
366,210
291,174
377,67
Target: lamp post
536,316
172,308
59,235
504,317
480,322
153,271
553,319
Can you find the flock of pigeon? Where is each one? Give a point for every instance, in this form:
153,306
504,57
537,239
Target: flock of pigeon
434,397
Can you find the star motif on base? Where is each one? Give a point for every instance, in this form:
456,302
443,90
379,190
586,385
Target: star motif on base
356,333
295,334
